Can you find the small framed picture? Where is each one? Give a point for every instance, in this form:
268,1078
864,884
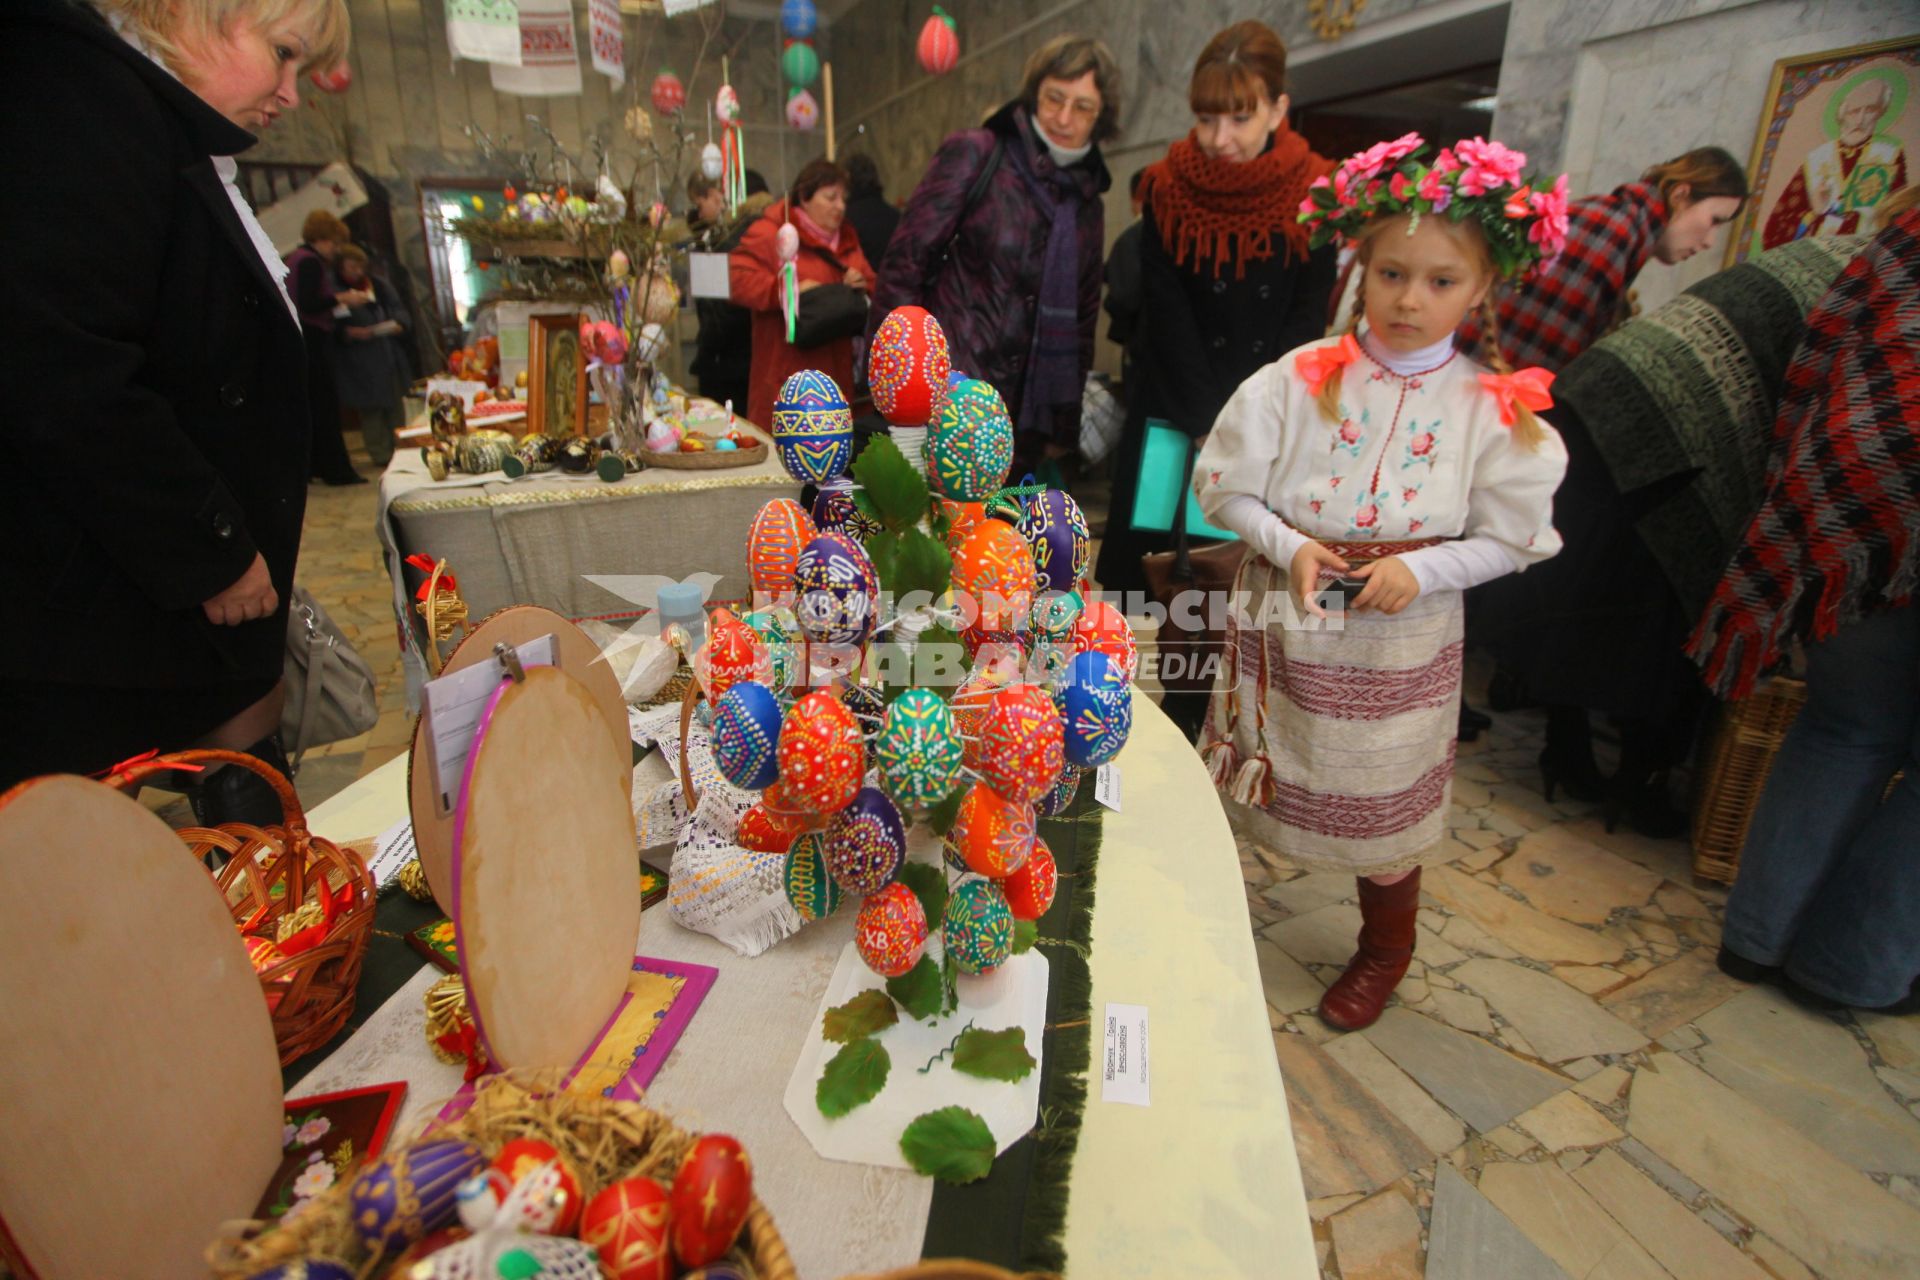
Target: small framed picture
556,376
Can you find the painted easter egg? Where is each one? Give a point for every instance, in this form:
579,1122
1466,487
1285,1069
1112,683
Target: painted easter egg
779,530
783,806
1055,612
919,749
627,1225
307,1269
718,1271
776,628
821,754
835,510
798,18
711,1196
764,831
668,94
726,104
837,590
1030,890
970,704
939,46
978,930
1056,531
970,445
907,367
746,735
810,887
1055,802
1096,704
991,643
950,851
995,569
1104,629
891,931
712,163
866,843
813,428
402,1266
1021,748
962,519
556,1205
409,1192
800,63
995,833
732,654
803,110
869,706
786,242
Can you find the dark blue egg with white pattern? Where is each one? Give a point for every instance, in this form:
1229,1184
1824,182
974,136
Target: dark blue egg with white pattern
404,1195
1055,802
866,843
1096,705
812,427
837,589
1056,529
746,736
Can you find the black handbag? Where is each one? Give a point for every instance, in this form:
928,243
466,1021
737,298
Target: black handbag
828,312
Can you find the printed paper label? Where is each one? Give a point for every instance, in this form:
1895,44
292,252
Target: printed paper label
1123,1064
1106,785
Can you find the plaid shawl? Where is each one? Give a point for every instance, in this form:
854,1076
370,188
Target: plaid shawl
1838,534
1581,295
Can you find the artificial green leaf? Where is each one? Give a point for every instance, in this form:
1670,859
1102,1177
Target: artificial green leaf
949,984
939,661
929,884
918,989
1025,932
951,1144
864,505
994,1055
896,488
881,550
864,1015
940,817
921,564
854,1076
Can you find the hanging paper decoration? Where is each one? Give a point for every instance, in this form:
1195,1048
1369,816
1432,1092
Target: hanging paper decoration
549,58
803,111
669,95
939,46
712,163
639,124
786,243
607,40
800,63
332,80
798,18
484,30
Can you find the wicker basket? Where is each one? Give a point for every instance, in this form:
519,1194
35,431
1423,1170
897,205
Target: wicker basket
708,459
604,1140
1739,758
266,880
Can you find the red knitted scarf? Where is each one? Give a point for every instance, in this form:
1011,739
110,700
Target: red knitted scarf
1207,208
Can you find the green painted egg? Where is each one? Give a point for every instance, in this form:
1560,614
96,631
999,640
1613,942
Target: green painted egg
919,750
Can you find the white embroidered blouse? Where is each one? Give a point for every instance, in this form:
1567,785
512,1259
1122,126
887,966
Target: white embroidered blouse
1417,453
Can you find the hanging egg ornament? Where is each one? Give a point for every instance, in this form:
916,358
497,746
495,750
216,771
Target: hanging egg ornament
798,18
821,755
1096,704
639,124
1029,891
995,833
891,931
726,105
731,654
668,94
907,367
1056,530
712,163
1104,628
554,1203
970,444
1021,748
627,1224
994,567
939,46
786,242
746,735
837,589
919,750
810,886
774,539
803,110
1055,802
662,301
835,509
799,63
866,843
404,1195
812,427
978,929
711,1196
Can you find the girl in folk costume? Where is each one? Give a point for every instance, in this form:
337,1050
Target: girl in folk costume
1386,457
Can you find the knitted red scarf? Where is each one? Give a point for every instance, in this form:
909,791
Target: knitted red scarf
1207,208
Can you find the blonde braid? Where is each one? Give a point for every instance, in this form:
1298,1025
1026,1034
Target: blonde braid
1329,397
1526,427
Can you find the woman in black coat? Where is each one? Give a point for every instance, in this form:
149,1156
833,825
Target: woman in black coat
157,418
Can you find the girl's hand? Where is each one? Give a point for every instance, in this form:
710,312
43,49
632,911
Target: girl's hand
1303,576
854,280
1390,587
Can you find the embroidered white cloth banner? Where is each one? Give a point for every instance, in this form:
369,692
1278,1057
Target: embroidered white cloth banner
549,57
607,40
484,30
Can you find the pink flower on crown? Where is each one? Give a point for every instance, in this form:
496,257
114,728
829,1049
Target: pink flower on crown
1434,188
1401,147
1446,161
1487,166
1519,204
1550,232
1399,185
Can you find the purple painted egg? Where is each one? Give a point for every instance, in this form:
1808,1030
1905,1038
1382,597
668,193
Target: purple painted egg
1055,802
410,1192
1056,529
835,510
746,735
837,589
866,843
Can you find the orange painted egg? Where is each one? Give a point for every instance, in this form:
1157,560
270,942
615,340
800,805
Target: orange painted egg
821,753
628,1225
891,930
711,1196
764,832
1104,629
995,834
556,1210
733,652
1030,890
774,541
1022,743
970,704
962,519
995,568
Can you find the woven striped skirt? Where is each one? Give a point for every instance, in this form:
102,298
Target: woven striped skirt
1335,748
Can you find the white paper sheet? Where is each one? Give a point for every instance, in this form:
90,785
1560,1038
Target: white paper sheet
453,705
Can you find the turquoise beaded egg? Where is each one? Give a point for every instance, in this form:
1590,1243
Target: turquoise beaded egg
970,445
919,749
979,927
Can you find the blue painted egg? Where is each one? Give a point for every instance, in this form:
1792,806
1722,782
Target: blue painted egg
798,18
919,749
866,843
746,735
970,445
1096,705
813,428
836,510
1055,802
1056,529
724,446
410,1192
979,927
307,1269
837,590
811,889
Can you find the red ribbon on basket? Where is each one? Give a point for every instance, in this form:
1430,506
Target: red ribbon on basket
425,564
331,905
127,766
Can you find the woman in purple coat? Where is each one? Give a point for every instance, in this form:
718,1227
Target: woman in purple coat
1003,239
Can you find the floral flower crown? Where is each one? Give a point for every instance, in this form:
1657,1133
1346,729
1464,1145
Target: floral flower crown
1525,223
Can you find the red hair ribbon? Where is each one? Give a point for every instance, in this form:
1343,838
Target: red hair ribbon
425,564
1526,387
1321,363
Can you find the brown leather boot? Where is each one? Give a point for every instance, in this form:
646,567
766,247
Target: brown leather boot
1386,949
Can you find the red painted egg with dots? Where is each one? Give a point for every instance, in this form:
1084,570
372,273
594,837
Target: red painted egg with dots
995,833
907,367
1030,890
939,46
891,930
1104,629
733,652
763,832
821,753
669,95
627,1225
1022,743
711,1196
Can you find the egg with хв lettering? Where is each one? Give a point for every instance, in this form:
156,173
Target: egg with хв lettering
556,1206
1056,531
866,843
891,930
994,568
978,930
821,754
810,887
838,590
746,735
836,509
1096,706
1021,743
779,531
1055,802
733,653
813,427
907,367
407,1193
962,519
919,749
1029,891
1105,629
970,444
995,833
711,1195
627,1225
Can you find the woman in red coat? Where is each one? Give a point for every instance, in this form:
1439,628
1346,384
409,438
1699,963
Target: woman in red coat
829,254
